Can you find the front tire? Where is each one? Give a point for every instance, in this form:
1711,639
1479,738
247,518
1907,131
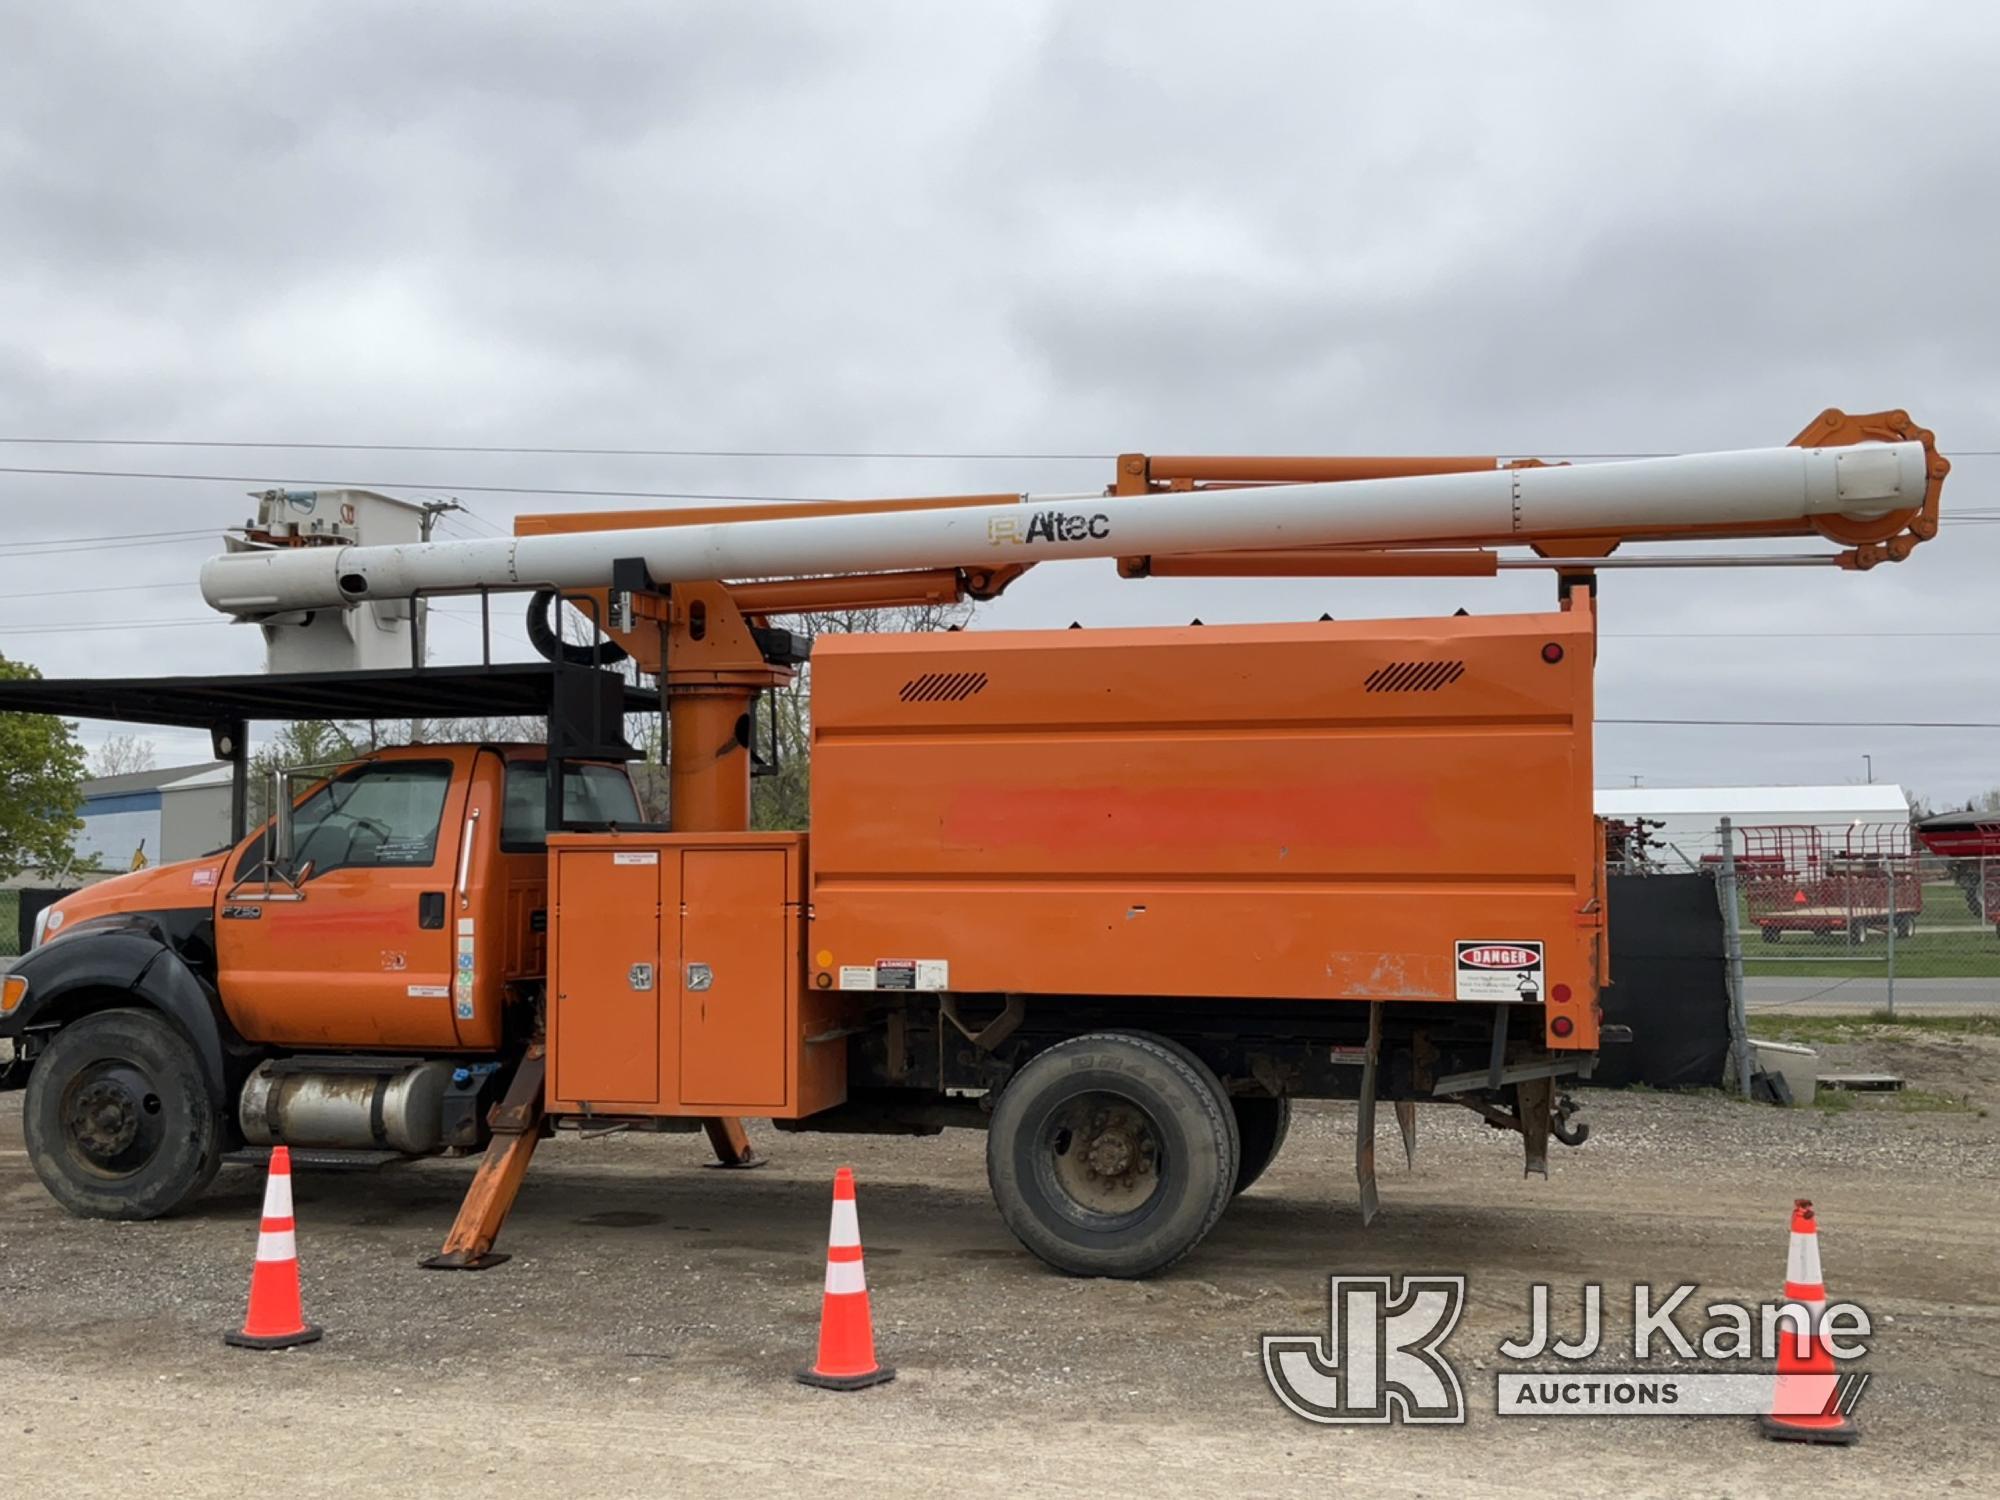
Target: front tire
119,1119
1112,1154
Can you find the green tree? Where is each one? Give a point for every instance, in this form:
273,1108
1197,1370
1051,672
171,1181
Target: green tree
41,770
305,742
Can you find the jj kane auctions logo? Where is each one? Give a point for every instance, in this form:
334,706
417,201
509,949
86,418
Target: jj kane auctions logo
1382,1357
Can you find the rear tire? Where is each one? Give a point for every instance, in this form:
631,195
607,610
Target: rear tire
1112,1154
119,1119
1261,1127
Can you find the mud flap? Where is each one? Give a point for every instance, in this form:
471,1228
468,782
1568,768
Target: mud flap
1364,1138
1534,1104
1406,1121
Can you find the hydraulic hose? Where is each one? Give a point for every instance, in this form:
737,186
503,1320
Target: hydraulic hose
548,641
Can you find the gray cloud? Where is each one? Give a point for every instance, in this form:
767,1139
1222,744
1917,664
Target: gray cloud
1260,228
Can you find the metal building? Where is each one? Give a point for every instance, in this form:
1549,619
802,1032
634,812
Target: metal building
175,812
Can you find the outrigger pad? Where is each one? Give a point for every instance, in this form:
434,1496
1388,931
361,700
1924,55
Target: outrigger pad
458,1260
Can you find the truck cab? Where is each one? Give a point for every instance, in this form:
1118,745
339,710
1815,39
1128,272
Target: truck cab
170,1014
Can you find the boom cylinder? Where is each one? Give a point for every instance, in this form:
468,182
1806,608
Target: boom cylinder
1759,485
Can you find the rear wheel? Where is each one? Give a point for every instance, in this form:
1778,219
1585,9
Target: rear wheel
1261,1127
1112,1154
119,1120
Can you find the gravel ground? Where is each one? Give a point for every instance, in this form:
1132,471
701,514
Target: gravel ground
643,1337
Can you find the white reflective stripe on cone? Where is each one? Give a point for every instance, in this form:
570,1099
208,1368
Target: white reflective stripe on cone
1802,1265
278,1196
846,1229
845,1276
1788,1322
277,1244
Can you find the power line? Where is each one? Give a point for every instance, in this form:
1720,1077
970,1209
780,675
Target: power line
174,624
1750,637
424,484
134,536
1814,723
12,550
108,588
579,451
571,452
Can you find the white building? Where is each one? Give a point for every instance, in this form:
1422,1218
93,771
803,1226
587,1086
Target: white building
1865,816
173,813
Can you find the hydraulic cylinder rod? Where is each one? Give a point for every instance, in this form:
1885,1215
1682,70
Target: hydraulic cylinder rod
1751,486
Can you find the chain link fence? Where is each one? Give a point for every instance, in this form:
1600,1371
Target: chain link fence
1843,920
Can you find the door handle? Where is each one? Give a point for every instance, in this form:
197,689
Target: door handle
430,909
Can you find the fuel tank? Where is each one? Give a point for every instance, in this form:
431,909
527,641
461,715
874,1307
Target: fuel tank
396,1105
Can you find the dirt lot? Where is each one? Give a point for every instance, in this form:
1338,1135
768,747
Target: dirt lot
642,1340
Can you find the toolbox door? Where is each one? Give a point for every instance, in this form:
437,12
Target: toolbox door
732,977
606,985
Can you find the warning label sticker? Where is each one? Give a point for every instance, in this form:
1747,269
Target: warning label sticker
1500,971
635,857
897,974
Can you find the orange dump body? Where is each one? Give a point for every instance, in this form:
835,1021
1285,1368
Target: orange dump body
1298,811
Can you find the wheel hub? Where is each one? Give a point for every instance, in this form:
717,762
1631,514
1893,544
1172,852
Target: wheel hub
1104,1154
113,1118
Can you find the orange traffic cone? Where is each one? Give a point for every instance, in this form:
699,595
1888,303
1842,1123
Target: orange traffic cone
277,1319
846,1333
1805,1403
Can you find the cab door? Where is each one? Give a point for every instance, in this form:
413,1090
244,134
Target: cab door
364,951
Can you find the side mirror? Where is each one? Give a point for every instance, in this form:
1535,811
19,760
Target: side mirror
281,821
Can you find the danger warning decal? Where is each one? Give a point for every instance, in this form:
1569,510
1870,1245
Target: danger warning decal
897,974
1500,971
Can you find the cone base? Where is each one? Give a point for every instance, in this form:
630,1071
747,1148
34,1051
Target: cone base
306,1335
1784,1430
880,1375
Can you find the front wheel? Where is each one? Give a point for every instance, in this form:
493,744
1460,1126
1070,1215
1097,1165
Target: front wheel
1112,1154
119,1119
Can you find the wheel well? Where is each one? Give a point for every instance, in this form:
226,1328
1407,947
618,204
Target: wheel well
71,1006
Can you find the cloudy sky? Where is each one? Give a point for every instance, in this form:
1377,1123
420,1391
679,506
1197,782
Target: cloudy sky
1015,229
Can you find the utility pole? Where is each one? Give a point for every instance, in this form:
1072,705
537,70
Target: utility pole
432,510
1868,762
419,614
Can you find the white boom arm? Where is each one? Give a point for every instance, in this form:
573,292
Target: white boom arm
1754,485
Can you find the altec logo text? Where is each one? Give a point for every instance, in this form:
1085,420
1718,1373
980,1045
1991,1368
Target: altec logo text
1047,526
